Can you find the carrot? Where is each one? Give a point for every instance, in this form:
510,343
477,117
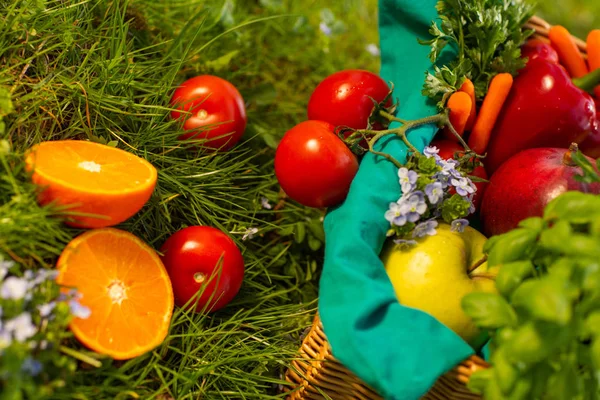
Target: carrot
459,104
490,110
469,89
593,51
568,53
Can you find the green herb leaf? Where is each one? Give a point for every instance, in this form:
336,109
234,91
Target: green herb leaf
489,310
533,343
566,383
512,274
560,238
535,224
479,379
595,353
590,174
505,372
575,207
512,246
545,300
454,208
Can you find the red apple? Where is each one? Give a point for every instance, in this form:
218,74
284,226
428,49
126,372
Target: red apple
447,149
523,186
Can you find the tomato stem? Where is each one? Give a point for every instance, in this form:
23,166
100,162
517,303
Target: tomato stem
442,119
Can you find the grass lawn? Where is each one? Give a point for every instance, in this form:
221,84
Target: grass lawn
105,71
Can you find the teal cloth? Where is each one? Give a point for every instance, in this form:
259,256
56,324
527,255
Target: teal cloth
397,350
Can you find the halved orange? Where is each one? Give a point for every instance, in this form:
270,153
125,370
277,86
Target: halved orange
126,287
107,184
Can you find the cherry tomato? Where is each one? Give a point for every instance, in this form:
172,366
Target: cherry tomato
447,149
313,166
211,101
343,98
203,257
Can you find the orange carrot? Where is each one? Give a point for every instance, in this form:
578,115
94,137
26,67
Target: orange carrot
568,53
459,104
469,89
593,51
490,110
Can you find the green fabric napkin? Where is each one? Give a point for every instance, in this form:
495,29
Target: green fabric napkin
397,350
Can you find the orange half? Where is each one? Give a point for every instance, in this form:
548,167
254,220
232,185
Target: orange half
126,287
107,184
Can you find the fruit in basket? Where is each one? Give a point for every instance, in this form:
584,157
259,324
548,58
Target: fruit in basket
538,49
314,166
447,150
544,109
218,112
345,98
125,286
203,258
107,184
523,186
591,145
433,276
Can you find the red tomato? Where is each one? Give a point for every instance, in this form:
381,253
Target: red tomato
313,166
192,257
447,149
211,100
343,98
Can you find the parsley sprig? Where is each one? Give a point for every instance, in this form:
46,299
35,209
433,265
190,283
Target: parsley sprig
487,36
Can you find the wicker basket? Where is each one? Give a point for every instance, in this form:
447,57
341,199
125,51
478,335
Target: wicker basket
316,374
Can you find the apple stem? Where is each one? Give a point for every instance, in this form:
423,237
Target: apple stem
477,264
568,157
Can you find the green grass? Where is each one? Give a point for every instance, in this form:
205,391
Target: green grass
105,71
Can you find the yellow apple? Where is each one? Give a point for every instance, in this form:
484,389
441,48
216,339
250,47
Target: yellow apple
433,277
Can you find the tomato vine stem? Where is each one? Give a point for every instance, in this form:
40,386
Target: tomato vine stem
441,120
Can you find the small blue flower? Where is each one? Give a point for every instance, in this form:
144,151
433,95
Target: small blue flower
46,309
264,202
435,192
4,267
249,234
459,225
78,310
408,179
464,186
31,366
442,178
426,228
448,166
5,339
21,327
14,288
373,50
396,214
431,151
414,206
325,29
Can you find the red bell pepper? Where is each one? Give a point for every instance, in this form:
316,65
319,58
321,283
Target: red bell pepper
591,145
538,49
545,108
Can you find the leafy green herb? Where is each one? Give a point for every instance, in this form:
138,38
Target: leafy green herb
487,36
550,277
